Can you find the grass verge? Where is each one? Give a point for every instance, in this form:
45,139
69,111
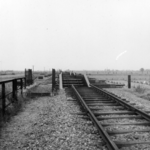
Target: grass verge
13,108
140,89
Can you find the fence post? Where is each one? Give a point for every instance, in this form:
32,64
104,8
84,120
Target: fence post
53,79
15,89
60,81
25,73
30,76
129,81
21,85
25,82
3,99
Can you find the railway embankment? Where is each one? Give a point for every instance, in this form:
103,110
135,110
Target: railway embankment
50,123
58,121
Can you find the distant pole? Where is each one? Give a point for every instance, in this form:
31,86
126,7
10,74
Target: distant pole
53,79
129,81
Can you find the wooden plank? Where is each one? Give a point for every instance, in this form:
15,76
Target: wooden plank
119,117
114,124
113,112
129,143
102,107
97,104
127,131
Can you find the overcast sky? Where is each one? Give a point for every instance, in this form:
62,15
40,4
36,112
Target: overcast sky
74,34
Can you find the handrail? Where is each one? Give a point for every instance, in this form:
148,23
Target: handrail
10,80
14,90
60,81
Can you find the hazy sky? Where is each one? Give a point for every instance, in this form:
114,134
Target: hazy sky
74,34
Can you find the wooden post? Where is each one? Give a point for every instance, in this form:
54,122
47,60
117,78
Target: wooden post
15,89
21,85
53,79
26,77
60,81
129,81
3,99
25,82
29,77
25,73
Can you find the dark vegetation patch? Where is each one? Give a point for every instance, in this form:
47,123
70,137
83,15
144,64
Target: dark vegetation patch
140,89
13,109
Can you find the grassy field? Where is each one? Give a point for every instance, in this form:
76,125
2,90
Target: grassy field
121,77
140,83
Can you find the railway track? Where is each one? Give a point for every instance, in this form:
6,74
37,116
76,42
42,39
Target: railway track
121,125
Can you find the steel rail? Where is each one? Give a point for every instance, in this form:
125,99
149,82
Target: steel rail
111,145
121,102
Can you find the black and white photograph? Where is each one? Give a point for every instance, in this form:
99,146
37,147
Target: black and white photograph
74,74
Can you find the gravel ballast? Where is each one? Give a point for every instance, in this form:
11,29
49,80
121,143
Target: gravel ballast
50,123
137,102
132,97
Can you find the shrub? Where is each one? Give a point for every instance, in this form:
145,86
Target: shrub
140,89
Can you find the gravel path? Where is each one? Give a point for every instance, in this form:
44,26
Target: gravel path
50,123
